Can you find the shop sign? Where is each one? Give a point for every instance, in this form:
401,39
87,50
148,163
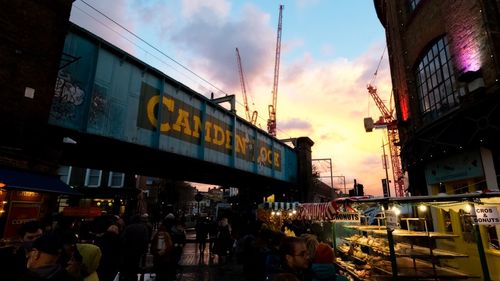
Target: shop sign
487,215
85,212
345,217
19,214
29,196
391,219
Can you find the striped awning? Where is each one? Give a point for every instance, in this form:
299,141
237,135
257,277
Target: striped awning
338,210
316,211
280,205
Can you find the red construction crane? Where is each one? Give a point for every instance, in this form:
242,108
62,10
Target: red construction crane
252,119
389,121
271,122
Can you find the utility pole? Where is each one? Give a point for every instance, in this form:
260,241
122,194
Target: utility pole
343,180
331,170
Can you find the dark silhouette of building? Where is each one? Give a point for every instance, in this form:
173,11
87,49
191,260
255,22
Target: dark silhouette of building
445,76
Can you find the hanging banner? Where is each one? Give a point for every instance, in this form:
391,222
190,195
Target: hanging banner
371,213
486,215
392,219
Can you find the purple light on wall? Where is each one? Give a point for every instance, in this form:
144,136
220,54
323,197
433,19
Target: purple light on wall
467,52
468,60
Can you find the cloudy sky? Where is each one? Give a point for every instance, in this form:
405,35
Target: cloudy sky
330,52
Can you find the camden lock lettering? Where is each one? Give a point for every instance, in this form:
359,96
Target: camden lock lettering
185,122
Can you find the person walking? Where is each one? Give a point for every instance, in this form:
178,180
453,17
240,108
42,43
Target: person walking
135,240
178,235
109,243
201,229
162,251
223,242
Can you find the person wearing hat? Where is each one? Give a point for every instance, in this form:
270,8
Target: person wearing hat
322,267
14,262
43,263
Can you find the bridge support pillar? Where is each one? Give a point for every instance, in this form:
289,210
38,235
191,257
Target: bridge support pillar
303,148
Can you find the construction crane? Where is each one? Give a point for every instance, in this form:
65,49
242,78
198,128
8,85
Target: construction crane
253,118
271,122
388,121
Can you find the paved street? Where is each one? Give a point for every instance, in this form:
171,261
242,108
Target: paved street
196,267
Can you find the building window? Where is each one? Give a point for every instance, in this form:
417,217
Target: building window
413,4
437,88
116,179
448,226
64,173
93,178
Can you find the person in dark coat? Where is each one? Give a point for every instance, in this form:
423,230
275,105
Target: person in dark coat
162,249
135,240
14,261
109,243
43,262
201,229
178,235
224,242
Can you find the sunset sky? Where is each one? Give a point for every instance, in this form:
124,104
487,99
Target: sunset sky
330,51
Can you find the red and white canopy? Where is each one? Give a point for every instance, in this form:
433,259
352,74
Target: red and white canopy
338,209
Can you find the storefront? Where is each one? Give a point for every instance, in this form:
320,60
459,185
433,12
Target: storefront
27,196
452,237
446,237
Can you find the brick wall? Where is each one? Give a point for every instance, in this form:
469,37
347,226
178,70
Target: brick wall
32,35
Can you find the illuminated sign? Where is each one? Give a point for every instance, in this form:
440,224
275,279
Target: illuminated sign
29,196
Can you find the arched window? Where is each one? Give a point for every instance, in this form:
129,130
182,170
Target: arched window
437,88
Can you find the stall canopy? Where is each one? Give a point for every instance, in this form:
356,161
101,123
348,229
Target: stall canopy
338,209
25,180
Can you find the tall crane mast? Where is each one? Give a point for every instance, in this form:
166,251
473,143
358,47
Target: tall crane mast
271,122
389,121
253,118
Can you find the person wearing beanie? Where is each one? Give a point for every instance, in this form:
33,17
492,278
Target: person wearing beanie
322,267
43,258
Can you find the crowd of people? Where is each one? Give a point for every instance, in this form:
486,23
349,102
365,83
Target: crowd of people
104,249
109,249
268,254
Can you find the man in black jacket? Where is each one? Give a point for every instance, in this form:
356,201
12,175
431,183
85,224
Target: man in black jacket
43,263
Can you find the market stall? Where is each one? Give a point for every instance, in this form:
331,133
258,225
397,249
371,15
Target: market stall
422,238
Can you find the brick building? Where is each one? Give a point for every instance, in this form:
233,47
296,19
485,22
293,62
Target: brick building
32,34
444,57
445,76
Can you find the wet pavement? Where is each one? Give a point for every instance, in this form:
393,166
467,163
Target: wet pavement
202,267
206,267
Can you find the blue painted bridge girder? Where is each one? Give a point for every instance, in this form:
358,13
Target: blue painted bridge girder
129,116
